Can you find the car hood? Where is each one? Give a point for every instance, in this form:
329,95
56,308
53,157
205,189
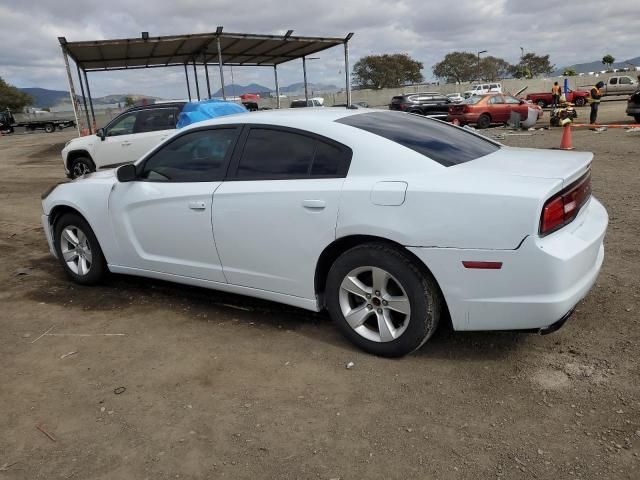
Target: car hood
99,176
81,141
532,162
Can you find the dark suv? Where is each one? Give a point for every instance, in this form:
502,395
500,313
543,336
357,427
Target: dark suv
633,106
431,104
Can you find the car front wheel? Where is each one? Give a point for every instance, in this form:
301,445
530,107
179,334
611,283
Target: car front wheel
381,301
81,166
579,102
78,250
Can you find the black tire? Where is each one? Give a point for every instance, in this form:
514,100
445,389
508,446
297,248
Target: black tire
580,102
421,290
49,128
61,127
80,166
97,269
484,121
541,103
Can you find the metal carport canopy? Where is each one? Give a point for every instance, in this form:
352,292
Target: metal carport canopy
218,48
177,50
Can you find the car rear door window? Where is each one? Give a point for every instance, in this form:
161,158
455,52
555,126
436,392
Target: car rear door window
156,119
613,81
439,141
511,100
274,154
199,156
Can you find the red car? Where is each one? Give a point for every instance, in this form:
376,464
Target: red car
484,110
578,98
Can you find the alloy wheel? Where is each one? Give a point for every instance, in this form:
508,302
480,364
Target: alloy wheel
80,169
76,250
374,304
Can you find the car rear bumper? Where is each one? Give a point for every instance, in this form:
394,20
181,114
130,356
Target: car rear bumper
463,117
538,283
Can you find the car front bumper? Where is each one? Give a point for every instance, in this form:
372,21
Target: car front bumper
633,110
539,283
48,232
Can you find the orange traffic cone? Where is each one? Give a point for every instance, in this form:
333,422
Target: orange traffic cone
565,143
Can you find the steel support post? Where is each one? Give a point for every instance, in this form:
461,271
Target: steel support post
304,72
72,91
186,74
93,114
224,96
84,99
195,74
275,73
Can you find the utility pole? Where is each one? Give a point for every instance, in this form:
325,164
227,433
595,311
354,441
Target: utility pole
478,72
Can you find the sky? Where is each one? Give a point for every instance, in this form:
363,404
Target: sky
570,31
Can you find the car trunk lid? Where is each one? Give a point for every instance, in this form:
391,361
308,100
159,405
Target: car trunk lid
537,163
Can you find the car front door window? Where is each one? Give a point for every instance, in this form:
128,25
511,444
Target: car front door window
123,125
198,156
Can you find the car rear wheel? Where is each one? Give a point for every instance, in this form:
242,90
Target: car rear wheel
381,301
579,102
49,128
484,121
81,166
78,250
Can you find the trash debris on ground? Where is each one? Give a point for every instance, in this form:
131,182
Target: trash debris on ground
350,365
68,354
45,333
634,129
44,430
599,129
6,466
119,390
23,271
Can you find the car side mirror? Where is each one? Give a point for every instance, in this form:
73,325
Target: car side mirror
101,134
127,173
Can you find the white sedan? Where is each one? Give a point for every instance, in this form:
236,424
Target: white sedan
391,221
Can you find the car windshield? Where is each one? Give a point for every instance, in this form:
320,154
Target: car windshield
439,141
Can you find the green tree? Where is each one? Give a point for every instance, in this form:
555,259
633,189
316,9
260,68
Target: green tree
388,70
608,60
493,68
532,65
457,67
11,98
129,101
569,72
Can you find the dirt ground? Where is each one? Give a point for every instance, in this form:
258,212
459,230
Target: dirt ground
222,386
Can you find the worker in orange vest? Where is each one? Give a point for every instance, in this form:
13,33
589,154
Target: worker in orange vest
555,95
596,95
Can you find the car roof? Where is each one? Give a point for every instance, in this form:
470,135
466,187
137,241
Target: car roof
156,105
286,116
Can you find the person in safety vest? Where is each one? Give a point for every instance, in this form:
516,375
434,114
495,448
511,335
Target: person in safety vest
596,95
555,95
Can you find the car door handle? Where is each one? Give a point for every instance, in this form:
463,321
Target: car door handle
197,205
125,144
314,204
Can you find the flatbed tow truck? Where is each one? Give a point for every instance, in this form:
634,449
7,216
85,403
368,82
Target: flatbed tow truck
33,121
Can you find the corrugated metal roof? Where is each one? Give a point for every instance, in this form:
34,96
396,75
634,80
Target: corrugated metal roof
236,48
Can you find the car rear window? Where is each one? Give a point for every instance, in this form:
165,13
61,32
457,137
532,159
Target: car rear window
441,142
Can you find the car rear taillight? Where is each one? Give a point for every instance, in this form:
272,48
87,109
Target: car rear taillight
564,206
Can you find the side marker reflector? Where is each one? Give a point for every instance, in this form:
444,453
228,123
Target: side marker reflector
483,265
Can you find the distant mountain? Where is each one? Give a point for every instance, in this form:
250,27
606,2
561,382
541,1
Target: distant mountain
315,87
597,66
293,89
44,98
234,89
